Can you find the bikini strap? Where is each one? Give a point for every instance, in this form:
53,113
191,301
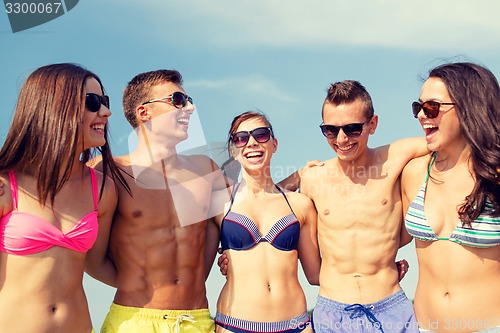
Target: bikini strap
279,189
434,155
13,188
233,195
95,188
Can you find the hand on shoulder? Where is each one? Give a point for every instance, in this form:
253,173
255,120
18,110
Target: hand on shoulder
5,198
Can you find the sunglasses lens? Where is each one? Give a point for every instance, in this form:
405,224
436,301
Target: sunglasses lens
431,108
240,139
353,130
261,135
105,101
92,102
330,131
178,99
415,107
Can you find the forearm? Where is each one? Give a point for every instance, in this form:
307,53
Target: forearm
211,246
105,272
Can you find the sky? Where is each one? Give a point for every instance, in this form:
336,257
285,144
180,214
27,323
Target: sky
275,56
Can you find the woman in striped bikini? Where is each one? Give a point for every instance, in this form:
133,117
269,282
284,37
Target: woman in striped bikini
455,215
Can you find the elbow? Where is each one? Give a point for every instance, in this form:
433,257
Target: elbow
313,280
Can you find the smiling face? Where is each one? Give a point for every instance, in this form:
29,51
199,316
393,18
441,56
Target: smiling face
254,155
349,148
94,123
163,116
444,130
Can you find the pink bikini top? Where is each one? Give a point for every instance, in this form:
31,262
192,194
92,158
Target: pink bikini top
23,233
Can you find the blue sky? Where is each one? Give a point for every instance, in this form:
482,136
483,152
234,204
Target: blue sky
276,56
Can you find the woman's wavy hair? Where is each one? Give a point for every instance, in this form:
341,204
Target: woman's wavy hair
476,92
44,135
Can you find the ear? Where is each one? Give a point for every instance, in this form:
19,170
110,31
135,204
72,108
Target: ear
275,145
373,124
142,113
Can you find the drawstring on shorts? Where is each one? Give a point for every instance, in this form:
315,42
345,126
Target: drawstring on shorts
359,310
176,326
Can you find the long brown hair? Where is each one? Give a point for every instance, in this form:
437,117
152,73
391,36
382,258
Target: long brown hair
476,92
43,138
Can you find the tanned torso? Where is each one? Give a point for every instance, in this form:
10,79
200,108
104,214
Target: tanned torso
159,254
359,223
453,278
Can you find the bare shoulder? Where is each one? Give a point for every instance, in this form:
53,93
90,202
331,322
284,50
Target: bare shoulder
121,161
107,194
315,172
416,166
298,199
413,175
202,164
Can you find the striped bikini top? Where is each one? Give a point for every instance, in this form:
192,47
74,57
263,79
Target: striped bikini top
238,232
483,233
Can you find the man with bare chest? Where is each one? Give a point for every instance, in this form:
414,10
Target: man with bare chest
357,196
161,240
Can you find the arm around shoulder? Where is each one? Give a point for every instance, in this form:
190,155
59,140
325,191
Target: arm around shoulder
5,198
409,148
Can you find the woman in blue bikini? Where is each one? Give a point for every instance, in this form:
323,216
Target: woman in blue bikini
452,198
264,231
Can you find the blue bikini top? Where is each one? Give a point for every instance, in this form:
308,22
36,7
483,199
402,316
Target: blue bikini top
238,232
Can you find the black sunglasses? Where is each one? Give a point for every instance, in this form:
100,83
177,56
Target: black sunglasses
94,101
178,99
431,108
351,130
260,134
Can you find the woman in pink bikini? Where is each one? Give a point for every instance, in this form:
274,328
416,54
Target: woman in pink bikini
55,212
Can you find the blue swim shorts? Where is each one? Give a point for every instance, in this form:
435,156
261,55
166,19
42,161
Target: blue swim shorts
394,314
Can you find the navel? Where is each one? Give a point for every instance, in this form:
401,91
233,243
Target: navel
136,214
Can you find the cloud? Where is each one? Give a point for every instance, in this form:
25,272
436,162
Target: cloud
250,85
410,24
